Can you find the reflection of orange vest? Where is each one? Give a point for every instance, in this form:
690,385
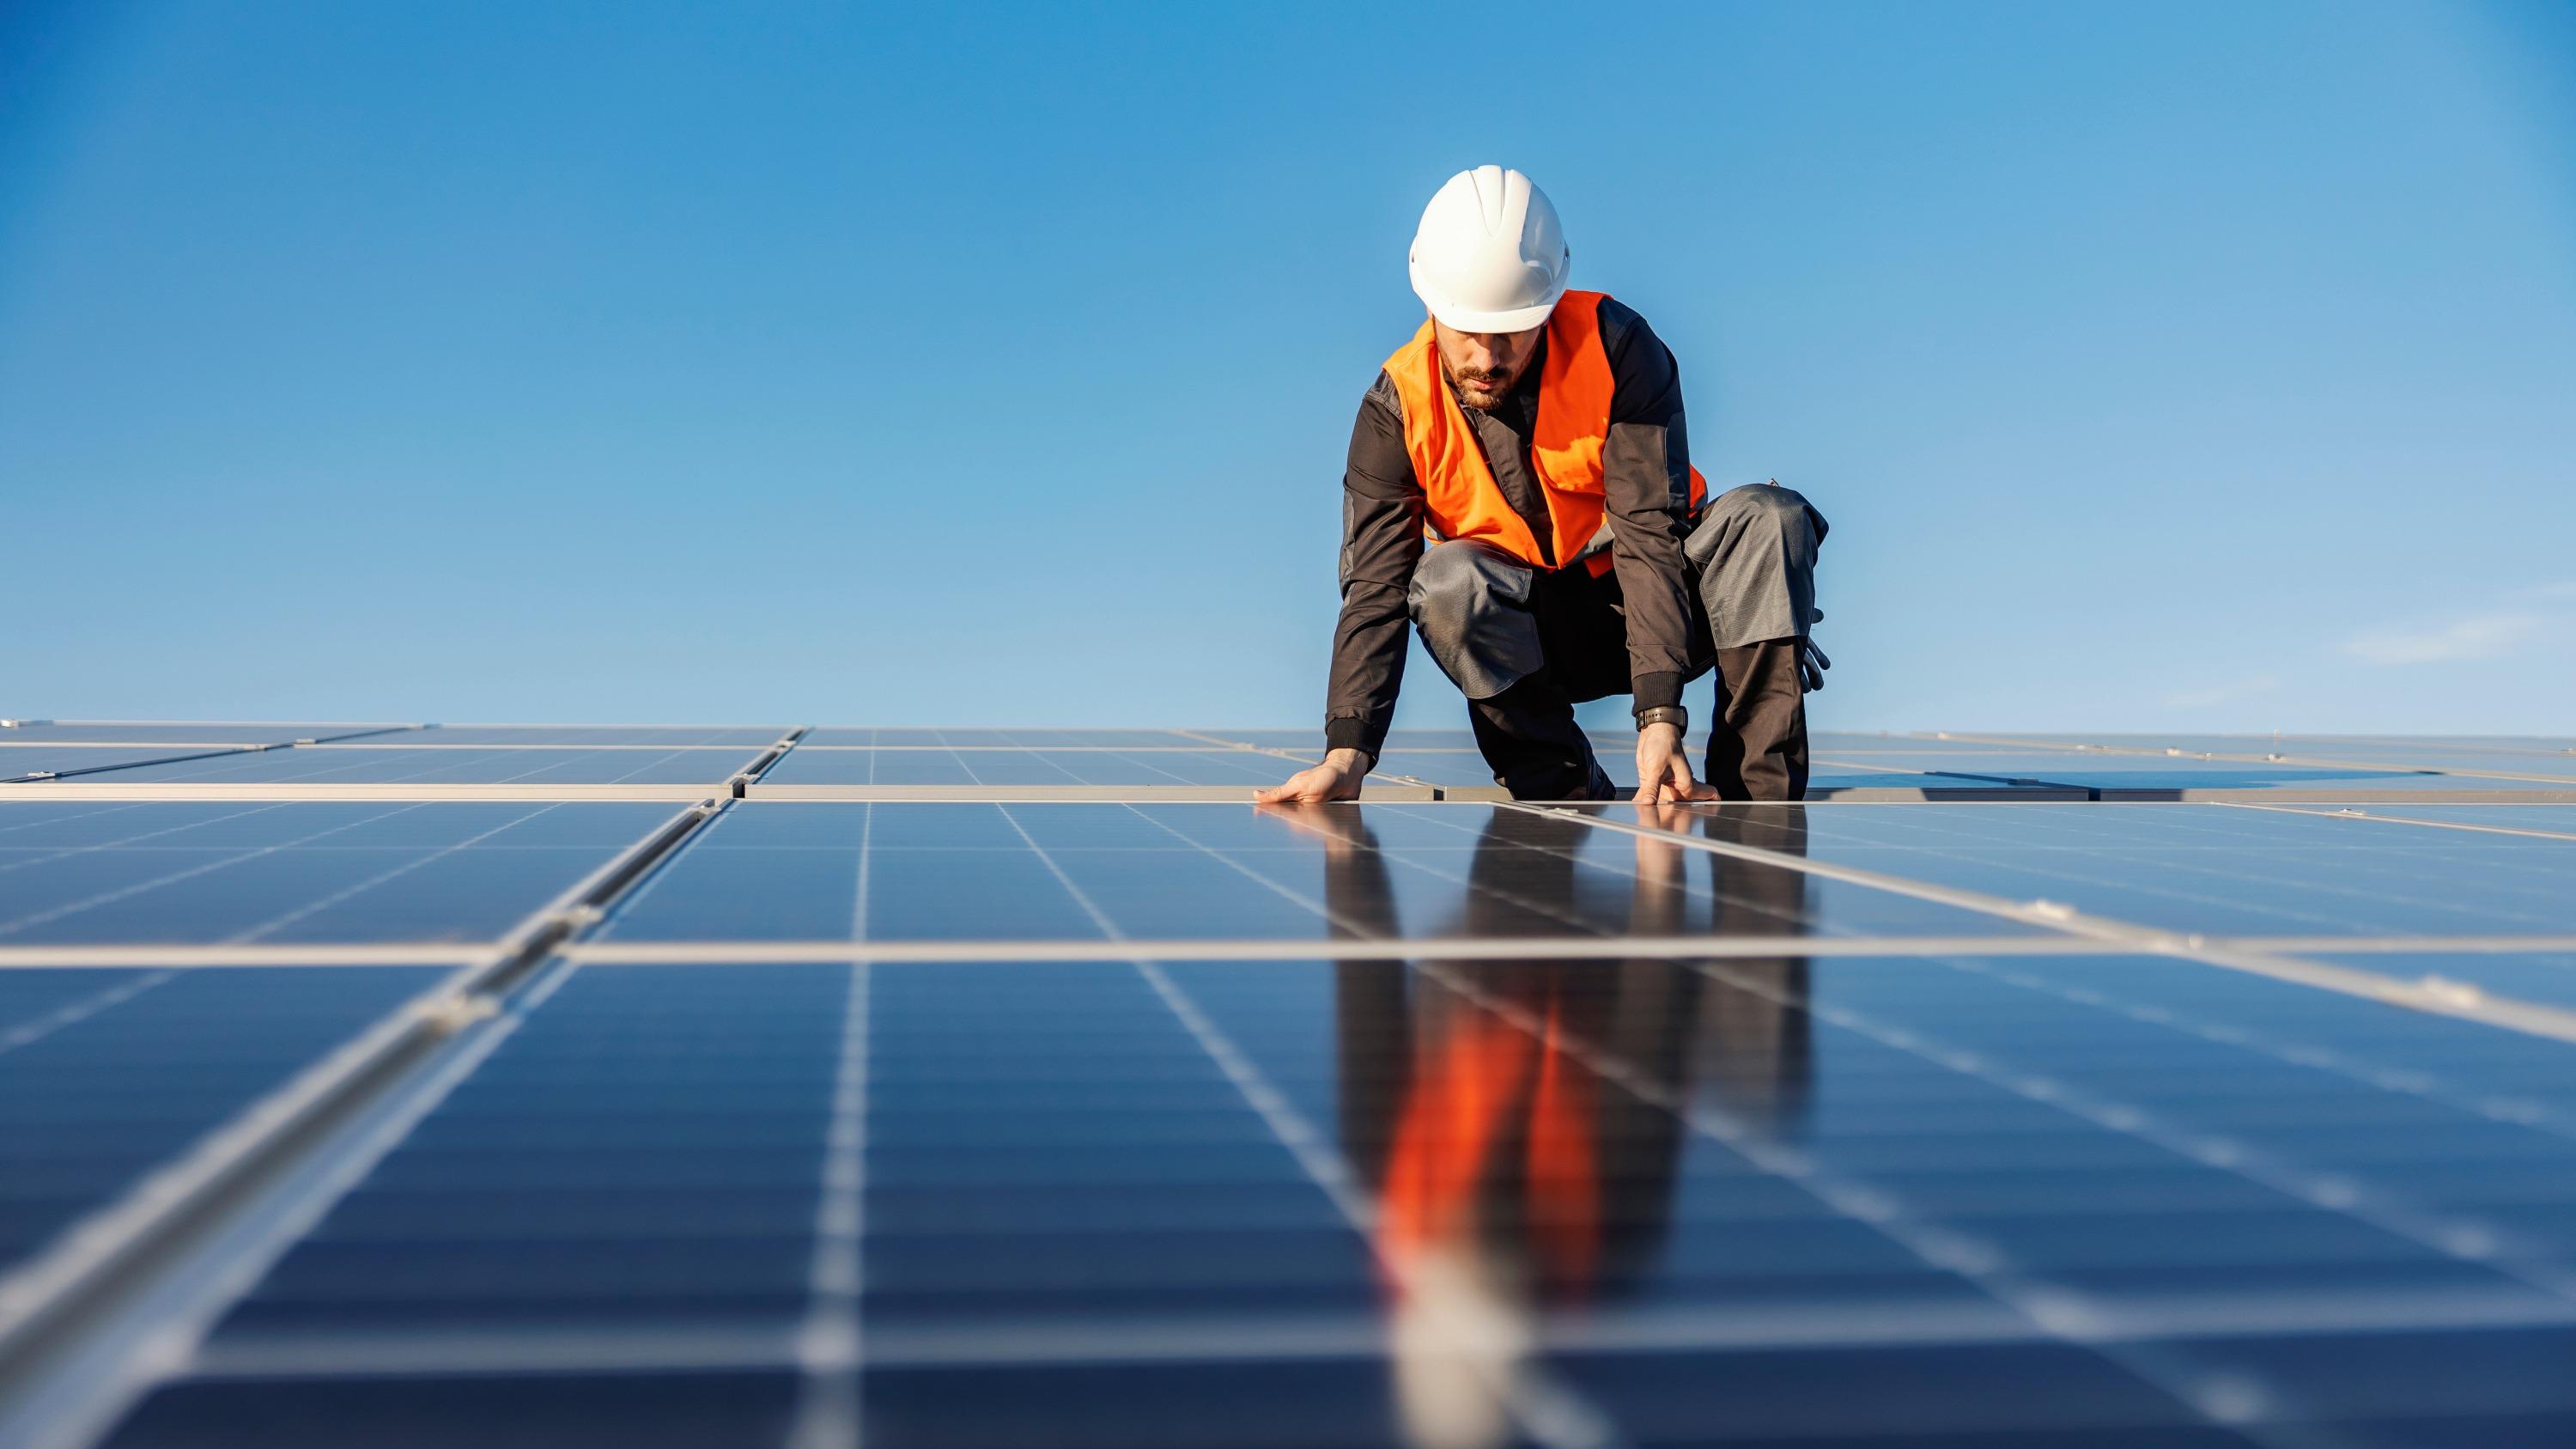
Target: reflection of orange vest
1477,1078
1574,392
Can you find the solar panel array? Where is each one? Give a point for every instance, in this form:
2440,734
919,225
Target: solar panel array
567,1085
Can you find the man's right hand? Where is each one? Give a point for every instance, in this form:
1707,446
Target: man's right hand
1337,778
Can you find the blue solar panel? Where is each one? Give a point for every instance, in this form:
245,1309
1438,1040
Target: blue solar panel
986,739
922,872
2206,869
106,1073
1190,1124
211,873
597,736
644,1152
1786,1180
119,732
369,765
997,766
24,764
510,1411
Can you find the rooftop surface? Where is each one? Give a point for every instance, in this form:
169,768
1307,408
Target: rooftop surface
762,1085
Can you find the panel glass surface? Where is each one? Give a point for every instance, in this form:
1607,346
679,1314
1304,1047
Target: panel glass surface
2540,819
1313,739
2500,762
987,739
595,736
2545,977
367,765
991,766
504,1410
254,732
1466,769
2161,772
1855,1200
1521,1190
644,1151
2515,744
18,761
943,872
2506,755
207,873
2208,869
106,1074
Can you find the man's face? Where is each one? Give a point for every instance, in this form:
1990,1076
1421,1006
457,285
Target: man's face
1482,366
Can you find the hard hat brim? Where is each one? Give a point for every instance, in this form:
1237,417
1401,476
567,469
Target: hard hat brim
1468,319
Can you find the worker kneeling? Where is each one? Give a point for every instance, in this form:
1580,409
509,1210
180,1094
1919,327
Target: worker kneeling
1520,490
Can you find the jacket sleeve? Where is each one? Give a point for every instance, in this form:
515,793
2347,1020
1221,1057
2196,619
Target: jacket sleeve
1645,483
1381,542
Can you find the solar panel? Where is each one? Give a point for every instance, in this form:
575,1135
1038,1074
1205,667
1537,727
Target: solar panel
601,736
106,1073
828,765
2204,870
1060,871
367,765
1100,1115
234,873
2276,761
26,762
1830,775
830,737
126,732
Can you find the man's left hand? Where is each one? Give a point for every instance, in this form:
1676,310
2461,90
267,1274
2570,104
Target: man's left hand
1663,767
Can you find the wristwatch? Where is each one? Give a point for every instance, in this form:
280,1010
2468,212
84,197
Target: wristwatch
1671,714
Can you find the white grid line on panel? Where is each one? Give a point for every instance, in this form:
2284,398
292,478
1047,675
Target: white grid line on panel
26,1033
100,785
2406,820
713,952
1605,1328
830,1348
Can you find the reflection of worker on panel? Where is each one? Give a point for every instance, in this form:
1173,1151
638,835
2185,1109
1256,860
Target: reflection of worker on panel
1512,1177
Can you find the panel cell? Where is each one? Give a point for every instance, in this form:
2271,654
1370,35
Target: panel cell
207,873
964,871
2199,868
106,1074
369,765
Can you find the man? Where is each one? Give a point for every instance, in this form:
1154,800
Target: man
1536,435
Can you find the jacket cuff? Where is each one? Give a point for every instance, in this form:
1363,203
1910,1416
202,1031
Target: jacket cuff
1655,690
1348,732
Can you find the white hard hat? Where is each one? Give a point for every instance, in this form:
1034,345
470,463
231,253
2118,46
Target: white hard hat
1489,256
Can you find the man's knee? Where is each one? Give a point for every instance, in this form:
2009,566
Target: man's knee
1455,580
1758,522
1471,604
1753,559
1758,504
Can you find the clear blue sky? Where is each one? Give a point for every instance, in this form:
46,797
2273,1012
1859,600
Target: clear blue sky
2159,366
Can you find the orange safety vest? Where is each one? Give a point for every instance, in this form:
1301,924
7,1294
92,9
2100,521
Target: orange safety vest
1460,497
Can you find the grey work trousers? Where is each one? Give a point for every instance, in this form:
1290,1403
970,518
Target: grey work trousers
1525,645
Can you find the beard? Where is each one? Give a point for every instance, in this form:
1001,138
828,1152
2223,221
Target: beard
1481,391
